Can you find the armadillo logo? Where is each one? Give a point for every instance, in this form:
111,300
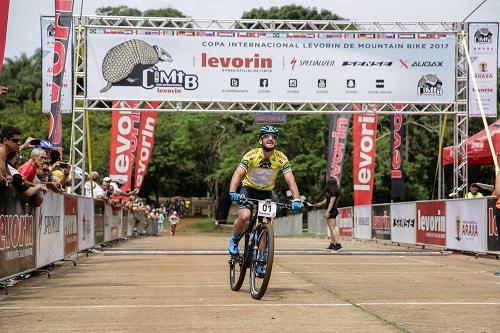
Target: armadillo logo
483,36
134,63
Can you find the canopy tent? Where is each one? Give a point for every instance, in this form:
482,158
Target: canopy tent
478,149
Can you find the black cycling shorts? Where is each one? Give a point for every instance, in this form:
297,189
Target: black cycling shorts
252,193
333,213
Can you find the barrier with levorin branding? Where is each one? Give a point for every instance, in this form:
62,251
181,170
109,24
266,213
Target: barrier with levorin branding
59,228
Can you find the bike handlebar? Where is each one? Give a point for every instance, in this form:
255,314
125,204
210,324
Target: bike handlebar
256,201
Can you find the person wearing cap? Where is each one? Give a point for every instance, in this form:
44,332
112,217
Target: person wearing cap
474,192
96,188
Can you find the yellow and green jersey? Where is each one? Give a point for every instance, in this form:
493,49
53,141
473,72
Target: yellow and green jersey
261,172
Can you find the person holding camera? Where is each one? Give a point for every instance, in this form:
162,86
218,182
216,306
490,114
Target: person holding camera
10,138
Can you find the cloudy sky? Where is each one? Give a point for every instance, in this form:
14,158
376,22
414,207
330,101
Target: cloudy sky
23,32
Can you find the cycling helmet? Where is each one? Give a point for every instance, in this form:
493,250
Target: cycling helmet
121,180
45,144
268,130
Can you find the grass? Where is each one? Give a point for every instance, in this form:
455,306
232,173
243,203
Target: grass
205,226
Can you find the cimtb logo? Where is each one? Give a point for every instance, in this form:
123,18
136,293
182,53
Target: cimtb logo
430,85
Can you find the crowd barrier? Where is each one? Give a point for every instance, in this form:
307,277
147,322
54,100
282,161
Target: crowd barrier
456,224
288,225
63,225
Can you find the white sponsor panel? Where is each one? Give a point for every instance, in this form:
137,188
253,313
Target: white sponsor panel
363,222
47,29
112,223
483,50
86,239
270,66
466,224
50,230
404,223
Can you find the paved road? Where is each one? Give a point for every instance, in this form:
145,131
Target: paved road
180,284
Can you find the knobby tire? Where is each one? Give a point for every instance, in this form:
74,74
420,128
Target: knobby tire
238,268
258,286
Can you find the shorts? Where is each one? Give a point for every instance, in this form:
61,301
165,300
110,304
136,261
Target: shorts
252,193
333,213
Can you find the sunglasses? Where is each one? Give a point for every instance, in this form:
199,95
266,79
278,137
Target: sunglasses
270,136
15,140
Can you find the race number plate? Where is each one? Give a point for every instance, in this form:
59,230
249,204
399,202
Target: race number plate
267,209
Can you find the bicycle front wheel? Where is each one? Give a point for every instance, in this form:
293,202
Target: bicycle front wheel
262,261
238,265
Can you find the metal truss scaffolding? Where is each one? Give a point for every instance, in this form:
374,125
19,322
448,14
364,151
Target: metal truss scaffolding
82,104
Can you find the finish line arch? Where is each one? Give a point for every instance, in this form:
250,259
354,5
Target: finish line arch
372,53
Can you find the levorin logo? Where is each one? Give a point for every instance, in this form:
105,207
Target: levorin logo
429,85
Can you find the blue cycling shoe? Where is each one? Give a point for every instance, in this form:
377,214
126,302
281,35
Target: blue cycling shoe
260,270
233,247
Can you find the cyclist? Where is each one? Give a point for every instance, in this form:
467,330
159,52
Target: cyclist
174,219
256,174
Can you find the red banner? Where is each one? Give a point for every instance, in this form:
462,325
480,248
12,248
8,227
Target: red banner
4,17
431,222
145,147
339,127
364,135
70,225
397,180
63,22
123,142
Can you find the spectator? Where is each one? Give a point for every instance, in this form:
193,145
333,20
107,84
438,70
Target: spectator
19,183
3,91
331,212
96,188
474,192
10,138
37,161
59,170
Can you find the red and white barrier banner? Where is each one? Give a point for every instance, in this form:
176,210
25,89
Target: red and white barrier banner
70,225
344,221
465,224
17,229
381,222
364,134
62,31
397,180
85,223
123,142
4,18
50,229
404,223
339,128
145,146
363,222
431,222
483,49
112,223
48,41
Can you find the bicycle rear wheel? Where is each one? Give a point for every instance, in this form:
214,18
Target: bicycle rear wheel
264,255
238,265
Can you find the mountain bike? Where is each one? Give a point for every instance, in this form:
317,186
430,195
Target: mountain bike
257,248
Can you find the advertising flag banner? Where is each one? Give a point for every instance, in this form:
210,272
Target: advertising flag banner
403,223
362,222
50,229
123,142
229,66
145,146
483,50
364,142
381,222
48,41
85,212
465,224
397,180
70,222
339,128
62,31
431,222
4,18
17,229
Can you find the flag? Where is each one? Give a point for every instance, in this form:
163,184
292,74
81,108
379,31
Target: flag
145,145
63,22
339,128
4,17
397,180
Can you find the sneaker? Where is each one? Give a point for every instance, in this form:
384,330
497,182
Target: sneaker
331,247
233,247
337,247
497,273
260,270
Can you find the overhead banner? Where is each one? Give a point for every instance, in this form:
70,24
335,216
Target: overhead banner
270,66
339,128
364,142
123,142
145,147
397,133
483,50
48,40
62,31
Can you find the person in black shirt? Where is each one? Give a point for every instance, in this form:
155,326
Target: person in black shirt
331,200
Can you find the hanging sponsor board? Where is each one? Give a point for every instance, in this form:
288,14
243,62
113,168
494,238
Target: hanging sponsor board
381,222
48,40
17,229
362,222
403,223
431,222
50,229
465,224
483,50
85,223
275,66
344,221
